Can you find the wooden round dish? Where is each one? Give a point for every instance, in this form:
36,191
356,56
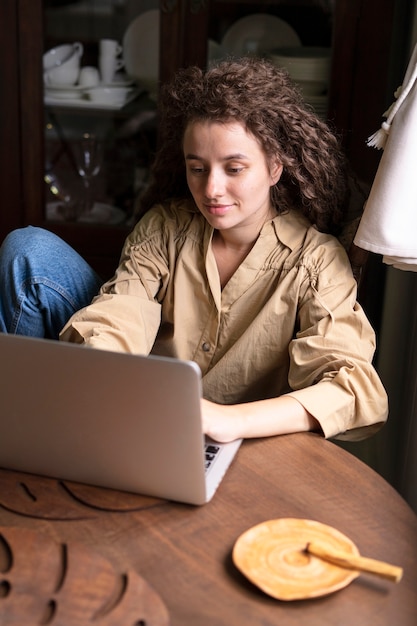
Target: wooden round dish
273,556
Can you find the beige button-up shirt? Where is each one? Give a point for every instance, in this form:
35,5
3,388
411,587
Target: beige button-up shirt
287,322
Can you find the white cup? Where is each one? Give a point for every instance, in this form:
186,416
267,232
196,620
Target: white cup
109,61
62,64
89,76
110,47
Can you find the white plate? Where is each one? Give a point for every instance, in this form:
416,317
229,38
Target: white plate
304,63
71,91
258,33
120,80
99,214
141,49
57,88
85,103
63,93
319,103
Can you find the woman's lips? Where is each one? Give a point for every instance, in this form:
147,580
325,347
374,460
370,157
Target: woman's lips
218,209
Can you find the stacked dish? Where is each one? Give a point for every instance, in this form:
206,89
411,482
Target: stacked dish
114,96
309,67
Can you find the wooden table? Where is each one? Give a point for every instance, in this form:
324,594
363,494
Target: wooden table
184,552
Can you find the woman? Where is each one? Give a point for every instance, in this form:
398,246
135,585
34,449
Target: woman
234,263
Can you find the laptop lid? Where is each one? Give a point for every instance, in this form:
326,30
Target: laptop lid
103,418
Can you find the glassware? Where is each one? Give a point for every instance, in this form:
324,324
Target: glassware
89,158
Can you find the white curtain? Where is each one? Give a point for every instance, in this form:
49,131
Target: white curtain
389,222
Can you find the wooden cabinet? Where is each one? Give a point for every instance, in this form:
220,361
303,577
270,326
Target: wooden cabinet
369,40
366,52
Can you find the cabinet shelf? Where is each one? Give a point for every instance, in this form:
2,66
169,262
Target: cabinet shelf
360,89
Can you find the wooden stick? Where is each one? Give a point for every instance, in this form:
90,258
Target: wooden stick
360,563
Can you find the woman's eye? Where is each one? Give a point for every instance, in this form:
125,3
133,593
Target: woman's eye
196,169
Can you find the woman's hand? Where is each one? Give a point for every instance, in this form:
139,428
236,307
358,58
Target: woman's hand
263,418
221,422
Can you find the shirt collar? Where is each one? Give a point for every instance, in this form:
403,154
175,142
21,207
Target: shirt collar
290,228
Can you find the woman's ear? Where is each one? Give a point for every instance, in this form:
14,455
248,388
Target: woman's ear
276,171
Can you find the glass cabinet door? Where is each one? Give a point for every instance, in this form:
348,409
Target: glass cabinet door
100,71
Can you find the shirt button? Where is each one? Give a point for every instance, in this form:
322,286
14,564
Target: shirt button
206,346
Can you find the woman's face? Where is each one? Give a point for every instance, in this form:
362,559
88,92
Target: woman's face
228,175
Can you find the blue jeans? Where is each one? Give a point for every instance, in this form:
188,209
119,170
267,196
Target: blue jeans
43,281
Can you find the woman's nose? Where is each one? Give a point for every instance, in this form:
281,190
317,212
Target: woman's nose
214,185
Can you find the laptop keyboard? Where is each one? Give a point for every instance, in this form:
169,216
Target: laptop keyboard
211,452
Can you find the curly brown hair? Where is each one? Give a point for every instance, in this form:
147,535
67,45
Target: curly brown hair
264,99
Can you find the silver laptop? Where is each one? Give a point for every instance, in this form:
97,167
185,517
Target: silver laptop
114,420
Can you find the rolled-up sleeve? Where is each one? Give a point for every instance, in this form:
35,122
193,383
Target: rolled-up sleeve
126,315
331,371
118,323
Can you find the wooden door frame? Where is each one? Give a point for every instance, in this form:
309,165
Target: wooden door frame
21,113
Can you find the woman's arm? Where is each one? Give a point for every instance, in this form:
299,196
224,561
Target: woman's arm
125,316
263,418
